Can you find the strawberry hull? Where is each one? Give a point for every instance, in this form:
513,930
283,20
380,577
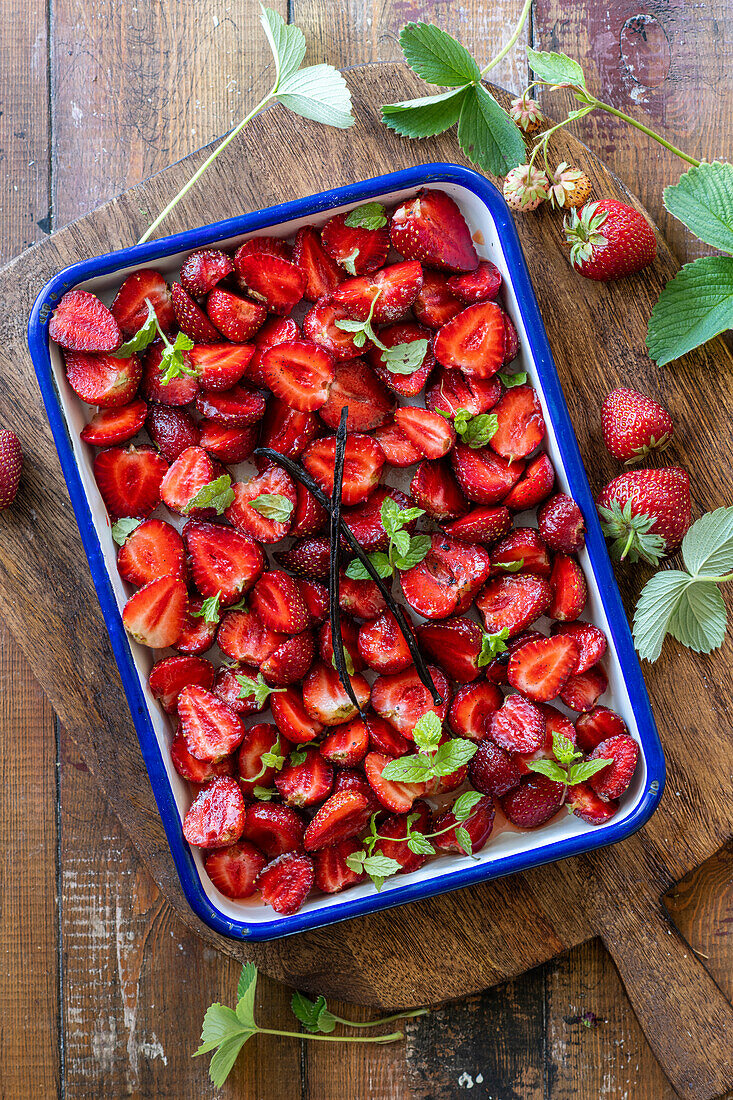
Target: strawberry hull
511,850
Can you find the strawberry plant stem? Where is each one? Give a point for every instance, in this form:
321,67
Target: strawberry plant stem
645,130
510,44
384,1019
392,1037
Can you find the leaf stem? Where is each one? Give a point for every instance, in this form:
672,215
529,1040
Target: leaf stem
512,41
716,580
407,1015
392,1037
645,130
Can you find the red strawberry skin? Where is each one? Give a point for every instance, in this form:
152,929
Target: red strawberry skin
633,425
663,494
432,229
622,244
11,462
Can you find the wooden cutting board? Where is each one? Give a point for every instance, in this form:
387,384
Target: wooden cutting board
459,943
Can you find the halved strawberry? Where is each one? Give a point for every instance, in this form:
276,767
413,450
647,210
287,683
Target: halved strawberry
349,779
356,386
287,430
556,723
493,770
192,470
191,318
432,228
325,699
522,548
300,373
356,249
435,304
513,602
309,517
533,486
277,600
518,725
320,326
511,340
434,489
397,448
272,280
473,341
382,645
270,484
591,641
533,802
234,869
274,829
385,738
315,596
276,330
455,645
394,829
232,692
394,287
216,816
598,725
291,717
290,661
306,783
231,445
172,431
129,480
307,558
349,637
332,873
347,745
569,588
110,426
613,781
541,668
471,707
360,598
402,699
363,464
198,632
484,476
365,520
407,385
583,801
286,882
451,391
236,408
341,816
197,771
223,561
447,579
429,431
154,614
480,285
203,270
583,690
392,794
178,391
130,307
103,380
321,273
264,245
152,550
235,317
521,424
219,366
561,524
81,322
478,826
258,740
170,676
244,637
210,728
480,525
496,670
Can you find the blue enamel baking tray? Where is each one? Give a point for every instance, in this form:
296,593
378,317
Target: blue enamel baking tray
507,851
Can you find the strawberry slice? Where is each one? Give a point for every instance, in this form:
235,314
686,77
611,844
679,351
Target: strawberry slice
394,288
533,802
216,816
473,341
154,614
402,699
309,517
397,448
110,426
307,783
363,464
258,740
432,228
493,770
179,391
315,596
129,480
191,319
234,870
599,724
360,598
347,745
349,779
365,520
286,882
172,431
435,304
210,728
170,676
103,380
513,602
517,726
287,430
382,645
203,270
237,408
244,637
231,445
222,561
230,690
306,558
533,486
521,425
262,490
274,829
236,318
385,738
583,801
276,330
277,600
197,634
428,431
561,524
291,717
434,489
290,661
583,689
481,285
356,249
407,385
197,771
394,828
300,373
341,817
471,707
350,639
478,826
356,386
614,780
271,279
511,340
447,579
392,794
152,550
320,326
451,391
325,699
591,642
220,366
480,525
263,246
455,645
484,476
569,588
192,470
523,551
81,322
332,873
321,273
541,668
130,307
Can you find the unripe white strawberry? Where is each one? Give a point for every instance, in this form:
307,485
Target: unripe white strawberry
570,187
526,113
525,188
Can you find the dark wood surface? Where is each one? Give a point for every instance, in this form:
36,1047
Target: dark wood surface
128,1024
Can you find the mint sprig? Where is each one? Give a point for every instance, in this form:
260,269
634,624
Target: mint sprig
492,645
217,494
400,359
475,430
434,760
172,363
209,611
404,551
568,767
255,689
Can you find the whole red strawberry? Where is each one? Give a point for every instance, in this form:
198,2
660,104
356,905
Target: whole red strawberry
646,513
609,239
11,460
634,425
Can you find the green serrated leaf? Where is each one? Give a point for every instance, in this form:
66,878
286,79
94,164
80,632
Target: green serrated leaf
264,794
222,1062
246,990
436,56
123,528
492,645
487,135
699,619
463,837
209,609
418,549
287,42
478,430
350,326
256,689
420,845
555,68
452,755
408,769
355,862
405,358
579,773
465,804
273,506
694,307
381,866
426,117
220,1023
298,756
401,542
509,380
371,215
656,606
356,570
428,730
318,92
703,201
142,338
310,1013
217,494
563,748
708,545
550,768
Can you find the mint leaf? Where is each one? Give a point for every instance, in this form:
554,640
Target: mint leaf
246,989
509,566
395,518
371,215
563,749
209,609
463,838
381,867
426,117
555,68
418,548
436,56
401,542
478,430
578,773
428,730
123,528
549,768
217,494
694,307
172,364
452,755
355,862
273,506
703,201
405,358
298,756
420,845
409,769
492,645
264,794
287,43
356,570
699,618
509,380
318,92
222,1062
708,545
465,804
220,1023
254,689
142,338
487,135
658,601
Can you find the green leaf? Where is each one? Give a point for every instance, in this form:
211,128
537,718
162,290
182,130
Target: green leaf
452,755
142,338
694,307
708,545
246,989
419,546
408,769
420,845
371,215
222,1062
579,773
401,542
659,598
350,326
209,609
264,794
464,805
699,619
478,430
273,506
220,1023
492,645
123,528
563,749
487,135
318,92
172,364
217,494
509,566
428,730
555,68
549,768
464,840
356,570
355,862
381,867
313,1015
254,689
405,358
703,201
298,756
426,117
287,42
509,380
436,56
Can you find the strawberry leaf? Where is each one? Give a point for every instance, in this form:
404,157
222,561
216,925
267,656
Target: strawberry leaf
657,603
694,307
426,117
555,68
246,989
436,56
707,548
703,201
313,1015
222,1062
699,619
287,43
487,135
320,93
220,1024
